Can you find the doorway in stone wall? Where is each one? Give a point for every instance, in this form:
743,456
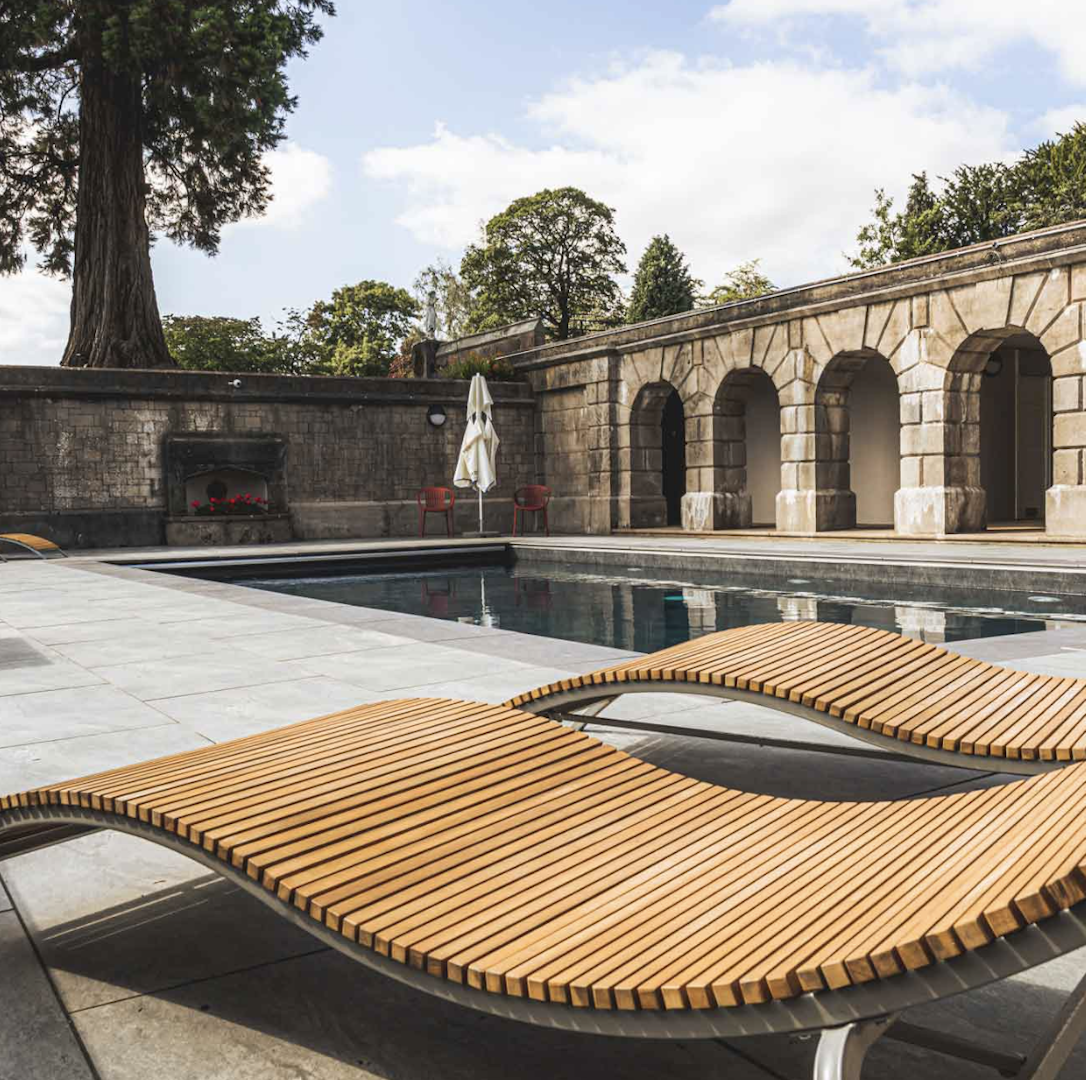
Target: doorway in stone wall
673,444
1016,431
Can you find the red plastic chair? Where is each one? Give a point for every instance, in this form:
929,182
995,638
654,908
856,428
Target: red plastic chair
436,500
530,499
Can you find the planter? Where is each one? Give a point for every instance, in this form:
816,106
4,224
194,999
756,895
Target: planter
194,530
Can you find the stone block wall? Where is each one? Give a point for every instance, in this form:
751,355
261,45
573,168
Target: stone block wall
81,451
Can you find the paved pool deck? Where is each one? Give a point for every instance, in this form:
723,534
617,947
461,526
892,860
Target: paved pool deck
122,961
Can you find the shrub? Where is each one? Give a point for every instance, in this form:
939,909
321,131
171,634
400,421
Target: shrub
496,368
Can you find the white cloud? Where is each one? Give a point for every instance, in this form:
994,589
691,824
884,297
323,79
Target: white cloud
774,160
33,318
300,179
932,36
1060,121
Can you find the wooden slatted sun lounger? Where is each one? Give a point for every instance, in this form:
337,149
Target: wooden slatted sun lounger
29,542
504,861
896,692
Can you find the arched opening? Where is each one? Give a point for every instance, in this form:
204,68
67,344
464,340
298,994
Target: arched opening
1016,431
657,457
673,465
858,441
747,448
999,390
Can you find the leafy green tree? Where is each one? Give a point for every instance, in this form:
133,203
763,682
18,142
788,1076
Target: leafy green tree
120,119
1053,180
453,300
551,256
663,284
980,203
358,331
219,343
745,282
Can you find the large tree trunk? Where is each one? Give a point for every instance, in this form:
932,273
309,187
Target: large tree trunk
115,319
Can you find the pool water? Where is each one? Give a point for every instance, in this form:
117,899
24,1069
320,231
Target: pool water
642,611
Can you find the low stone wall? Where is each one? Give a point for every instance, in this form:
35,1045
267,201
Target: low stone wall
81,451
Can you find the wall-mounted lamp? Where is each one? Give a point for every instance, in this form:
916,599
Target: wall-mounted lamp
436,415
993,366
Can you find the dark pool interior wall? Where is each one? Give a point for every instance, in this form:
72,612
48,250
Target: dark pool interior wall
645,610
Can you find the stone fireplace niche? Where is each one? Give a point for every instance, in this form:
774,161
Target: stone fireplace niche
198,466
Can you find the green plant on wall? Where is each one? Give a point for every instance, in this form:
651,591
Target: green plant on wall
494,368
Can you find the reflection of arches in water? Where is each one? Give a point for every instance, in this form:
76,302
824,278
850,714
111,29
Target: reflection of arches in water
858,438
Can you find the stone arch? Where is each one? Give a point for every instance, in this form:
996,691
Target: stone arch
746,448
999,424
647,498
856,441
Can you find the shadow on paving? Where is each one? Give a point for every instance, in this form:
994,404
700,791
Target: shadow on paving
319,1002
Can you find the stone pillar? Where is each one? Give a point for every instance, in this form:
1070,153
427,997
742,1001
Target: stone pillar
940,489
731,503
702,504
814,493
424,359
1065,501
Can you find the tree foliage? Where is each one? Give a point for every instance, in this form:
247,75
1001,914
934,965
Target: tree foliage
219,343
124,119
552,256
745,282
979,203
453,300
663,284
356,332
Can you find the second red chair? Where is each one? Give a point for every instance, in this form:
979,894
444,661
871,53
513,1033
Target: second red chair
532,498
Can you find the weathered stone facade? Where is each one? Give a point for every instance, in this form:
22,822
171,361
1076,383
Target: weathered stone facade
82,451
937,322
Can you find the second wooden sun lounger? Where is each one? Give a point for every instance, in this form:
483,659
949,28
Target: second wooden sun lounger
895,692
38,545
506,862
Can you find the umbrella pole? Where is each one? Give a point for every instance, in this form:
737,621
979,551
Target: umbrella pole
480,490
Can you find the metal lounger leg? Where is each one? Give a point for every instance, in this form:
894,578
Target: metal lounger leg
1054,1047
841,1051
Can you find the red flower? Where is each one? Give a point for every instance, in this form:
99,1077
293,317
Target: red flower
196,504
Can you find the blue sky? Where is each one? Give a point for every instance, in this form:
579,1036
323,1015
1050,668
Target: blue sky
749,129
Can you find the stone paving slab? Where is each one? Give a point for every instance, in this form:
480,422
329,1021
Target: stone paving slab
65,714
36,1038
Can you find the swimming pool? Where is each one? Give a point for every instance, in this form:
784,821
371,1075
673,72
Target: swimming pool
637,610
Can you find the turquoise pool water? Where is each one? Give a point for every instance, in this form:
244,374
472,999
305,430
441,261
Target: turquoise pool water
643,611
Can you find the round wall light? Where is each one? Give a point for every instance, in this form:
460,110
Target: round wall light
436,415
993,366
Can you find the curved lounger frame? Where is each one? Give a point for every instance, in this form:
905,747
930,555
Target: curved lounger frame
505,862
903,695
37,545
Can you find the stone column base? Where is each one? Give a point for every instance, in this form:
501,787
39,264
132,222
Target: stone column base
1065,510
815,511
705,510
936,511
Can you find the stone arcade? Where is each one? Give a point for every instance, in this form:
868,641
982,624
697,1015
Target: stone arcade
936,396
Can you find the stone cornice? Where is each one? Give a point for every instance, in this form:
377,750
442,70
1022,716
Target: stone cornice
17,381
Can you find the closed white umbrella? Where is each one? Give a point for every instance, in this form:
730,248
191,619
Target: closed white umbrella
476,467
